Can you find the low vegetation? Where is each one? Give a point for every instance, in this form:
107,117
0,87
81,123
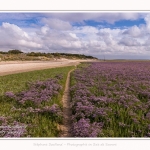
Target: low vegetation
31,103
19,55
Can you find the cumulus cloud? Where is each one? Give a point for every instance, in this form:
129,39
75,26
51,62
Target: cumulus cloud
11,36
147,42
57,24
147,20
13,31
106,37
134,31
73,35
127,41
44,29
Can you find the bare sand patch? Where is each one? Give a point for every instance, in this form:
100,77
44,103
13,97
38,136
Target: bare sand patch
12,67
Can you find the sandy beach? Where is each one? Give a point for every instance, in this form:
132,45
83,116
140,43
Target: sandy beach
11,67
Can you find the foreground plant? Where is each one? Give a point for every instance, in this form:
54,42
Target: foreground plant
38,93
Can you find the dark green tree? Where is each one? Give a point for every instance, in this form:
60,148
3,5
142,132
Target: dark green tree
15,51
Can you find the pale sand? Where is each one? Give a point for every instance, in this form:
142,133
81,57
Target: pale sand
12,67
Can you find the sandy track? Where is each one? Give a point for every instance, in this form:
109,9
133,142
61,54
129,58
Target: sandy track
25,66
66,127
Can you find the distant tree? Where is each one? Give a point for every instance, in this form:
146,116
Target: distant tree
31,54
1,52
15,51
36,54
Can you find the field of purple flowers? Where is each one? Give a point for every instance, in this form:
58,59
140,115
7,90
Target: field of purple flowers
32,106
111,99
34,102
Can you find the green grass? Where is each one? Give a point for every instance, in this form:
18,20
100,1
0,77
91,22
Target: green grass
39,125
18,82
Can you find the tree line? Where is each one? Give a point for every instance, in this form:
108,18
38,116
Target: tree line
57,55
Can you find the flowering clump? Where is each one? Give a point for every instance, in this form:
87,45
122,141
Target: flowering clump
83,128
38,92
12,129
54,109
10,94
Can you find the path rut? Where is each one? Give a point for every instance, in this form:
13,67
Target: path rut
66,127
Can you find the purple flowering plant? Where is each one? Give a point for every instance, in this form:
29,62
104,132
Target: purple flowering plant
115,94
37,102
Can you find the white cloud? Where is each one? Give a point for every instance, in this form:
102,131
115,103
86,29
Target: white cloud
86,33
44,29
146,42
73,35
13,30
29,44
57,24
11,36
147,20
134,31
127,41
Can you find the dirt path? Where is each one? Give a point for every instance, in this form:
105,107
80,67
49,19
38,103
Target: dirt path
66,127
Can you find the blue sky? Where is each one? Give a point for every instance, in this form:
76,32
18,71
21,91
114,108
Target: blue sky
116,35
118,24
